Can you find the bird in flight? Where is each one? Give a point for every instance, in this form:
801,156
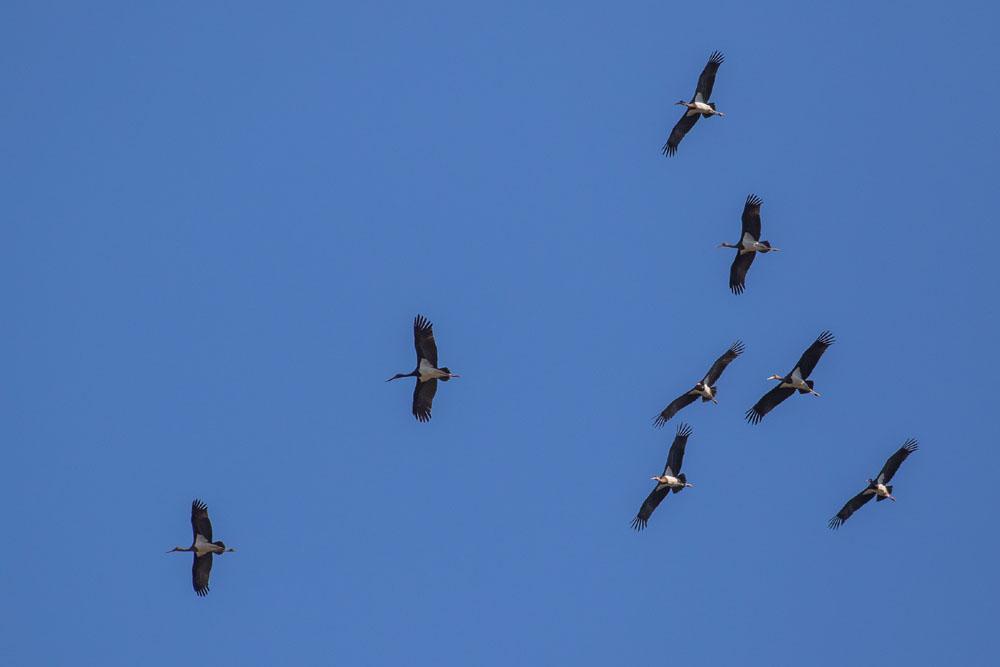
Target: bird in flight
202,546
749,245
426,372
704,388
698,106
672,479
794,381
879,487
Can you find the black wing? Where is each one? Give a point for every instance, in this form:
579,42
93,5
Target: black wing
707,78
680,129
767,403
651,502
850,507
676,456
423,396
807,362
423,340
893,462
738,271
200,571
715,372
200,525
675,406
751,217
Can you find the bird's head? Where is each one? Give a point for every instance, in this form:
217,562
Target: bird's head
177,549
682,103
397,376
776,377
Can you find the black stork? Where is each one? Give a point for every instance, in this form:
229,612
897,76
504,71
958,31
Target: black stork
794,381
879,487
426,372
748,246
705,388
672,479
202,546
698,106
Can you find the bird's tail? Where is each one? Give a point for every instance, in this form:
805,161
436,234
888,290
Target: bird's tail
809,383
881,498
682,478
446,370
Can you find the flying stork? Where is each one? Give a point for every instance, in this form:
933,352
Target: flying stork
426,372
202,546
748,245
672,479
698,106
879,487
705,388
794,381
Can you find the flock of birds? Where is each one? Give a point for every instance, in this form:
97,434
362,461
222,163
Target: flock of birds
672,480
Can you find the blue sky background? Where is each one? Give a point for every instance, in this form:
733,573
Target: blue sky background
219,219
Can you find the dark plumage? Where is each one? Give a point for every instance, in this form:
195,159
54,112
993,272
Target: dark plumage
748,246
673,470
704,388
702,94
878,487
202,547
794,381
426,372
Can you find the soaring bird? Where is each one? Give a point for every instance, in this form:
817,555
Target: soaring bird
202,546
672,479
877,488
794,381
426,372
705,388
748,245
698,106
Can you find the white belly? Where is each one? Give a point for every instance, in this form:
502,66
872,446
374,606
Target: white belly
203,546
704,108
428,372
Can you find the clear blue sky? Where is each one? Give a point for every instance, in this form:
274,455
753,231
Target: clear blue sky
219,219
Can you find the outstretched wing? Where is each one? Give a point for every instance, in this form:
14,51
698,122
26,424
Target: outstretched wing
200,571
850,507
651,502
751,217
715,372
200,525
676,456
423,340
675,406
893,462
680,129
767,403
738,271
423,396
707,78
807,362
